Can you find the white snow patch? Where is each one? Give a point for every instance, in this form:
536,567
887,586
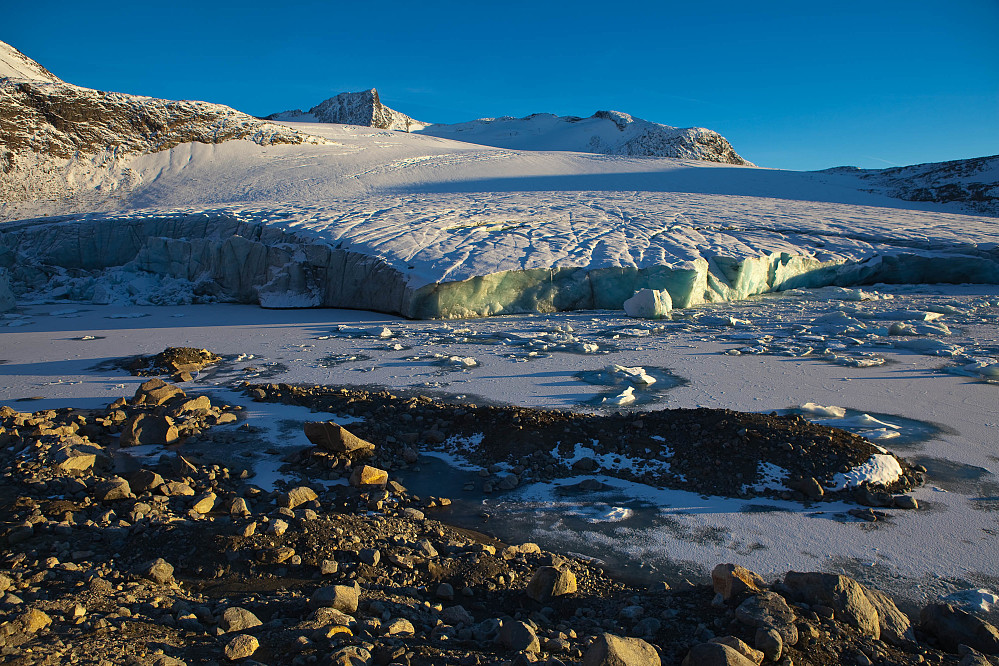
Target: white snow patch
881,469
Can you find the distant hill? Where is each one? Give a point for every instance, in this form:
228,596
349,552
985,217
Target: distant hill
972,182
358,108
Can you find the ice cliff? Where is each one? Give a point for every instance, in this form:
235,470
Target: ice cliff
222,257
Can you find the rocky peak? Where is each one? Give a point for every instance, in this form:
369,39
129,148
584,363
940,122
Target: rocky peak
353,108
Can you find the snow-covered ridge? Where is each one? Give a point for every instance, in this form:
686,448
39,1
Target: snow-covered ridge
972,182
358,108
57,138
605,132
16,65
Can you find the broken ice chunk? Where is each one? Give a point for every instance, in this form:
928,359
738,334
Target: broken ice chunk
625,397
636,375
649,304
819,410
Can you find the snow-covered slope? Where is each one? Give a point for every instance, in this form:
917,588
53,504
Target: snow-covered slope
358,108
16,65
57,138
972,182
605,132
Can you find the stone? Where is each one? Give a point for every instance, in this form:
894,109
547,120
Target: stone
456,615
400,626
326,616
367,477
79,458
277,527
953,627
807,486
715,654
649,304
35,620
156,392
445,591
341,597
115,488
730,580
519,636
296,497
740,646
158,570
176,489
769,609
843,594
769,642
549,582
5,582
144,480
330,436
896,628
370,556
905,502
241,647
205,503
328,567
143,429
352,655
238,619
199,404
611,650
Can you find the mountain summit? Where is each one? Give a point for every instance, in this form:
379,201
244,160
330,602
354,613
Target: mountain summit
16,65
605,132
356,108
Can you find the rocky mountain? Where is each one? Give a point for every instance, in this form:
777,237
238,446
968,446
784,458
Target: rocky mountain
972,182
357,108
55,136
605,132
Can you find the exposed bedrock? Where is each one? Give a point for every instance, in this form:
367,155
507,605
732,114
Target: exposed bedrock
225,259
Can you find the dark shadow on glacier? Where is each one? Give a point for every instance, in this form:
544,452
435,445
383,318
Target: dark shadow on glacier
712,180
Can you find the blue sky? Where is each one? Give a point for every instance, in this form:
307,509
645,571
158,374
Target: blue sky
795,85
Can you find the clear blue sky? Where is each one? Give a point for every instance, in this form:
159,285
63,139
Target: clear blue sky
795,85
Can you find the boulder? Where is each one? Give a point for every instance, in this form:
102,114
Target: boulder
715,654
142,429
296,497
157,392
611,650
400,626
115,488
953,627
158,570
333,437
144,480
769,643
455,615
241,647
78,457
352,655
341,597
205,503
368,477
519,636
844,595
895,625
740,646
34,620
649,304
730,580
549,582
238,619
769,609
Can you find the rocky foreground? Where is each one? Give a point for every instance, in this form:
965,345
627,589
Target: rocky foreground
117,559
